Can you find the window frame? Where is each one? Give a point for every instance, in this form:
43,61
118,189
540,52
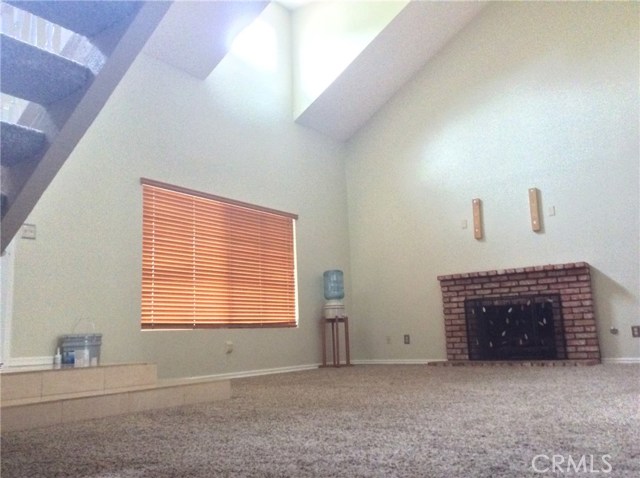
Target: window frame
192,265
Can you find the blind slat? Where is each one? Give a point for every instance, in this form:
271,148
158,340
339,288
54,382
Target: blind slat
210,262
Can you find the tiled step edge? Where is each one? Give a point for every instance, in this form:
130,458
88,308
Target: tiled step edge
50,383
165,394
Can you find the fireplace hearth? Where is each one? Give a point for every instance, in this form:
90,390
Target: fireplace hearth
549,310
515,328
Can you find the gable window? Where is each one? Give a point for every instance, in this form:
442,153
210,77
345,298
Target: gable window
213,262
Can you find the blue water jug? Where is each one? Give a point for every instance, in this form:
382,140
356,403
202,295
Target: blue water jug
333,285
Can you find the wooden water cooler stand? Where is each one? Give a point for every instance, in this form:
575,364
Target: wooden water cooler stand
335,340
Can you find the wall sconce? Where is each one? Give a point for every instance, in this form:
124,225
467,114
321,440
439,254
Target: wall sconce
534,209
477,218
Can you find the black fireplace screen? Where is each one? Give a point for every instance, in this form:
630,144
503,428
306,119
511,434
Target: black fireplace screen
515,328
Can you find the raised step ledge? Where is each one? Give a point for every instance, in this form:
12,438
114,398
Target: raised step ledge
66,410
160,384
52,409
41,383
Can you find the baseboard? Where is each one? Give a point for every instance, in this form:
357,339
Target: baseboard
626,360
47,360
29,361
256,373
396,361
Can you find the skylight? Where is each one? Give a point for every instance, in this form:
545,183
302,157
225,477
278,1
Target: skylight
257,45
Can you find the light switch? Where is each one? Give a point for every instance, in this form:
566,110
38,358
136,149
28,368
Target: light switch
28,231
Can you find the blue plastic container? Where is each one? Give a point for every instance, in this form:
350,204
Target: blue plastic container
333,285
71,344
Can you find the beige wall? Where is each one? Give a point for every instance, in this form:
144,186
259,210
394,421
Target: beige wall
542,95
530,95
230,135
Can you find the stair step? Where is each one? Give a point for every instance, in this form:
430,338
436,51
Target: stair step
44,382
29,414
85,17
33,74
44,397
19,143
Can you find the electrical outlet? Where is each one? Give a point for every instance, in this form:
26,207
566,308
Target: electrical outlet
407,339
635,331
228,347
388,340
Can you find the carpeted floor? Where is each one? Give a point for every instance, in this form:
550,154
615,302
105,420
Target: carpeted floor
364,421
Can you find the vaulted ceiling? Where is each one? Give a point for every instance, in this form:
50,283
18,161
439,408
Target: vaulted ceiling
363,52
401,47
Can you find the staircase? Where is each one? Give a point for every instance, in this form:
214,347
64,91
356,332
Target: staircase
65,90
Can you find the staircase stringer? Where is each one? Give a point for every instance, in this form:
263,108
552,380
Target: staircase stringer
66,121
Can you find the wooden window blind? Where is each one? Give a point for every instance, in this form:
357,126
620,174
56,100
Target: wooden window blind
213,262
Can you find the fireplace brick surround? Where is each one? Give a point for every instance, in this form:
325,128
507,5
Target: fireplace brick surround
571,281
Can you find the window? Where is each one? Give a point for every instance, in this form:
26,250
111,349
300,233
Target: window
213,262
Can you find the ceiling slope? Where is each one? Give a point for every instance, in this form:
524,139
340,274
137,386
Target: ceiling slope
414,36
195,36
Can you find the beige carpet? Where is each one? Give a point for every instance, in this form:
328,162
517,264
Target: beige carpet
364,421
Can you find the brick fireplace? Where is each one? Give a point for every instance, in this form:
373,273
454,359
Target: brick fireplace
570,282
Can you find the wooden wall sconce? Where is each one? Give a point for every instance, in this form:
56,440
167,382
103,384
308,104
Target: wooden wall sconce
477,218
534,209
